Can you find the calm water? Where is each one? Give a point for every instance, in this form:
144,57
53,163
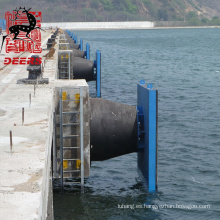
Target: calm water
184,65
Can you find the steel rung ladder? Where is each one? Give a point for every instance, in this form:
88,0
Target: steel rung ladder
62,148
64,70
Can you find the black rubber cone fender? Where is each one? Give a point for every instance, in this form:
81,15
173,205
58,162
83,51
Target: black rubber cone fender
113,129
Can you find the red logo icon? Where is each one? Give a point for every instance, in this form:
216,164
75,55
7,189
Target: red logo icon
23,31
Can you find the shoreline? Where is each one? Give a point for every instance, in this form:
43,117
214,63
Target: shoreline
127,25
186,27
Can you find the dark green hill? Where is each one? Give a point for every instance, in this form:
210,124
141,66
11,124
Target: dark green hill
120,10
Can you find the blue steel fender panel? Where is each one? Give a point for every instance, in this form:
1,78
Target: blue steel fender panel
147,133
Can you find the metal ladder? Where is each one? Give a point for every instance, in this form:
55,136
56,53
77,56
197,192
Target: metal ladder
71,136
64,68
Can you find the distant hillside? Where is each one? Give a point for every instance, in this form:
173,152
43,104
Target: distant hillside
120,10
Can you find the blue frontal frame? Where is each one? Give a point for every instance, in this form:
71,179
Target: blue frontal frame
147,113
87,52
97,76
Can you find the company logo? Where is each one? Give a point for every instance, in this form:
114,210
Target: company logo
22,32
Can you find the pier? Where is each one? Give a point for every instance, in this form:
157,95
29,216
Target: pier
50,126
25,161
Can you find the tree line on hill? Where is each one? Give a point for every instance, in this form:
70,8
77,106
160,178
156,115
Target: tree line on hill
193,13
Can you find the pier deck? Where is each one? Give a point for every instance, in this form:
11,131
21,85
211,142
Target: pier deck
25,182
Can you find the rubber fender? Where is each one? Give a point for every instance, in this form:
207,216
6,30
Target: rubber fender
74,46
78,53
83,69
113,129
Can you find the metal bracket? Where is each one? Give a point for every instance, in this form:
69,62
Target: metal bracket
140,125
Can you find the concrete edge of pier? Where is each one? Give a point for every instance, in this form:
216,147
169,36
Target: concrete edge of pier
25,175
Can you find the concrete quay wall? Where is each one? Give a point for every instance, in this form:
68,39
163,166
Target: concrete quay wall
25,170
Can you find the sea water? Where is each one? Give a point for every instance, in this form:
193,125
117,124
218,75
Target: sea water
184,66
